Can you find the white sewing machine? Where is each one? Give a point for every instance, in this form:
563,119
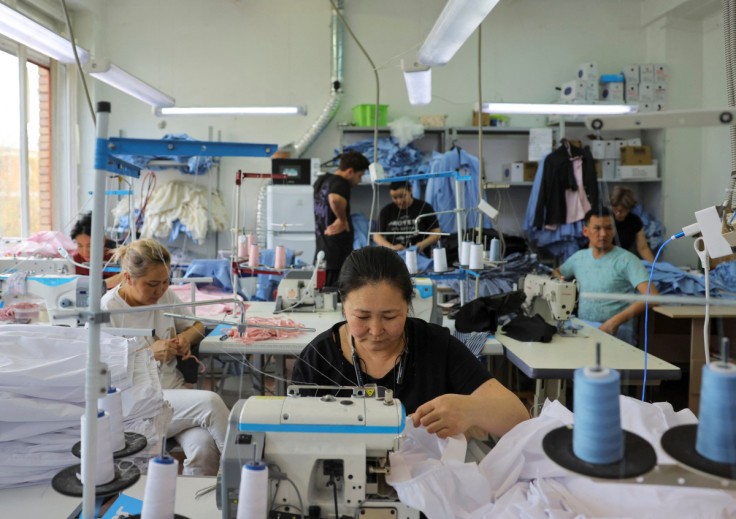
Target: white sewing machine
35,265
297,292
326,446
552,298
59,293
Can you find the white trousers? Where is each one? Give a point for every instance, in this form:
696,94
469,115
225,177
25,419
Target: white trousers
199,425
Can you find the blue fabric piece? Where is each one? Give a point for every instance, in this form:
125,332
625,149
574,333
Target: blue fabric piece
725,275
396,161
178,227
671,280
653,228
497,280
195,165
218,270
360,230
440,192
562,242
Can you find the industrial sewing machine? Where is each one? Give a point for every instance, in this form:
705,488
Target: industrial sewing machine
324,451
552,298
300,291
35,265
59,293
424,301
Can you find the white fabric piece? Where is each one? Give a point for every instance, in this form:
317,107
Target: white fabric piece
405,130
183,201
523,482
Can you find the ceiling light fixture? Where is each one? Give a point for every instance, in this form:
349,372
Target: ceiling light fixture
418,80
556,109
232,110
114,76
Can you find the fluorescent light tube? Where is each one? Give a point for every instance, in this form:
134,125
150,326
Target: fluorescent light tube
232,110
556,109
116,77
455,24
22,29
418,80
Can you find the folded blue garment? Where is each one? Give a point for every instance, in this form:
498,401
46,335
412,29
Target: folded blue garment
218,270
195,165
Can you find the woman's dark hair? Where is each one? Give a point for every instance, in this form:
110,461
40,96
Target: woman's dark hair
372,265
82,226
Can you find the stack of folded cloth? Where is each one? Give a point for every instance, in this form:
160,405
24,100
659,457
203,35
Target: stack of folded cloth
42,378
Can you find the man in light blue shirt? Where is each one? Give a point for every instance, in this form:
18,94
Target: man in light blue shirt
603,267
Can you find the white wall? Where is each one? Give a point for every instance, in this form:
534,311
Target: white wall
225,52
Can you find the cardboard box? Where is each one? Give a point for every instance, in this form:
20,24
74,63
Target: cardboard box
637,172
660,73
520,171
646,73
433,121
486,118
646,91
631,74
636,155
632,93
588,71
574,90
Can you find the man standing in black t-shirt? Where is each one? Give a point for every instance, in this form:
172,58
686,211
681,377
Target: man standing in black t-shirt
399,216
332,224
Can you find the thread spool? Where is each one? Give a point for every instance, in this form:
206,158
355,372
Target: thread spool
476,256
439,255
465,252
253,494
160,493
242,246
494,254
104,468
253,256
411,261
251,240
716,437
112,404
279,261
597,434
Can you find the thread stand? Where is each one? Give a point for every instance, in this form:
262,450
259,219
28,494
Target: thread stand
134,443
67,483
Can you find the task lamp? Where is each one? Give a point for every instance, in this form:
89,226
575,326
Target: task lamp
114,76
32,34
418,80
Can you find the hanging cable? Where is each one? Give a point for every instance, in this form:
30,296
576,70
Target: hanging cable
79,65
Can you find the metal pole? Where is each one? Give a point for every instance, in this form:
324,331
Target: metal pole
459,222
23,98
96,374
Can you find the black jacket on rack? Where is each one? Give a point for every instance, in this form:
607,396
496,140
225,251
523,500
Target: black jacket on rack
557,176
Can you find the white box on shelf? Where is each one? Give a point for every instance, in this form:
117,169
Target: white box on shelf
637,172
598,149
632,93
592,92
631,74
608,169
647,107
660,93
660,73
646,91
588,71
513,172
540,143
574,90
646,73
633,142
612,150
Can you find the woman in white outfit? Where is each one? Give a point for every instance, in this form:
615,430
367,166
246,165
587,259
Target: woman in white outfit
200,417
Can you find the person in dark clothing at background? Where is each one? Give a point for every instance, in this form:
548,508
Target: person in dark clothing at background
399,216
629,227
332,224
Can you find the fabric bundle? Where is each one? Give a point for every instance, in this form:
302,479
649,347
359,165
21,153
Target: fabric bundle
42,377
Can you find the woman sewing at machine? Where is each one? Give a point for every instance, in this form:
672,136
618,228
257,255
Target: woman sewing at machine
438,380
200,417
81,234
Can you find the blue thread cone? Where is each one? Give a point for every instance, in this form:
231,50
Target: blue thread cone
597,436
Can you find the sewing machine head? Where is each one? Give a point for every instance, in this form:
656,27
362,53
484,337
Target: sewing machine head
552,298
331,448
300,291
59,293
36,266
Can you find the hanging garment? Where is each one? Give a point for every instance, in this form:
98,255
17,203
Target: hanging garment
576,199
557,176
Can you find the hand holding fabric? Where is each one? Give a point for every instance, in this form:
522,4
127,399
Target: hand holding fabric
446,415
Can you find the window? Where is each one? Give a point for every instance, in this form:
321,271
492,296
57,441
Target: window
14,206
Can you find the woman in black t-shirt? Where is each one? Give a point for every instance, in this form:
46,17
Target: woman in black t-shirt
629,228
433,374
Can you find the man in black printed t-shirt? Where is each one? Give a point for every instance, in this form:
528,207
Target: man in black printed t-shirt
333,227
399,216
